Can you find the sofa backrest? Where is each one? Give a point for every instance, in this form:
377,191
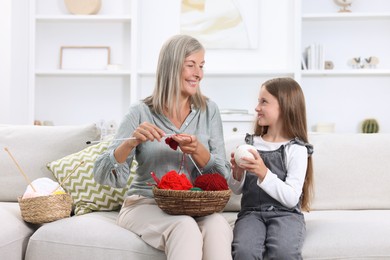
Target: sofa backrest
351,171
33,147
231,143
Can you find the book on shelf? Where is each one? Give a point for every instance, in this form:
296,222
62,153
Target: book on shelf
313,57
304,61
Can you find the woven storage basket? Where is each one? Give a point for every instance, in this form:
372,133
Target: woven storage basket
45,209
191,203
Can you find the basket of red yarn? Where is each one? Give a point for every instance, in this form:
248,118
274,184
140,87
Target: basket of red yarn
175,194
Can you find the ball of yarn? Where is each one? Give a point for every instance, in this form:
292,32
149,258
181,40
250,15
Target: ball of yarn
243,151
211,181
174,181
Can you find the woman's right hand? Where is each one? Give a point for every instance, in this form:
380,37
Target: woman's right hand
144,132
147,132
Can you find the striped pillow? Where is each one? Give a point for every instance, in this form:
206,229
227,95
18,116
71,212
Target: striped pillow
87,194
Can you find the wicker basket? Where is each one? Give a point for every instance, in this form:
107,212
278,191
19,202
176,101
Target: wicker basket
45,209
191,203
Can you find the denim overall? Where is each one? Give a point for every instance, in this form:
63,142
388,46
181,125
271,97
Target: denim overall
264,226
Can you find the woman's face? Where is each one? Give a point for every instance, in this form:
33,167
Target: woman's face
192,73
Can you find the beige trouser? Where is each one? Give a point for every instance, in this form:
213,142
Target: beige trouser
180,237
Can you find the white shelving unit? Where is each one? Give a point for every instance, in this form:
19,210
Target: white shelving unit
134,31
91,94
363,32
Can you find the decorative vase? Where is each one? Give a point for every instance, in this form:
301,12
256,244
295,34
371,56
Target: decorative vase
83,6
370,126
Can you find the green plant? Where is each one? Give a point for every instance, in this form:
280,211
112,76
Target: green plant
370,126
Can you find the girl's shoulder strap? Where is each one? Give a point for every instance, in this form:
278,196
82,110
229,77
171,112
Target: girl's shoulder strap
298,141
249,138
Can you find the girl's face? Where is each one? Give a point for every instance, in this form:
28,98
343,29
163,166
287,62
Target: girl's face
192,73
268,110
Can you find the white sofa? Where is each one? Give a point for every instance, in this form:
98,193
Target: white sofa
350,217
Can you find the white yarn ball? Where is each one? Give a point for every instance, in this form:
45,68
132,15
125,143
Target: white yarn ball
243,151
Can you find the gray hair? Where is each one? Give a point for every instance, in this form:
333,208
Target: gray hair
168,75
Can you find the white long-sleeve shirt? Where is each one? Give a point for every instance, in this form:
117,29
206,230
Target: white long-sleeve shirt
286,192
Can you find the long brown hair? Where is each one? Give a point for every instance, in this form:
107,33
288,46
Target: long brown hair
293,112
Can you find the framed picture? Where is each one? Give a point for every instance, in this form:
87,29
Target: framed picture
221,24
84,57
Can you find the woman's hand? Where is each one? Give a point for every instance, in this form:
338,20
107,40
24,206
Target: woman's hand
146,132
188,143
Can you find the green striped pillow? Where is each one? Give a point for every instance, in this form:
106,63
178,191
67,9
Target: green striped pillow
87,194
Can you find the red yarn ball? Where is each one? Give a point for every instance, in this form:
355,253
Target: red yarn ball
174,181
211,181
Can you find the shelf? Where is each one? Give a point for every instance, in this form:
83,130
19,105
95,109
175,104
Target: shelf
345,16
235,73
82,73
83,18
351,72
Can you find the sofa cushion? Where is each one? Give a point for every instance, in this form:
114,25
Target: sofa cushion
87,194
347,234
350,171
15,233
90,236
33,147
231,142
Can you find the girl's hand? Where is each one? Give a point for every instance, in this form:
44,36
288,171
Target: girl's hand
255,166
237,172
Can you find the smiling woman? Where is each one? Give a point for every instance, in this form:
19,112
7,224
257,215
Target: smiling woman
175,107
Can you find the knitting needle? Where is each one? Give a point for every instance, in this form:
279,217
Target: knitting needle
67,176
118,139
20,169
192,160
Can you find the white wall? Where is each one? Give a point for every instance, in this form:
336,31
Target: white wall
14,62
230,91
5,60
333,99
274,50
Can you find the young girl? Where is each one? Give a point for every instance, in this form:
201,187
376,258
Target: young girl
277,183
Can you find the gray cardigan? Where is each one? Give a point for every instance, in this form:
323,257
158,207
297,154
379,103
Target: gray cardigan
158,156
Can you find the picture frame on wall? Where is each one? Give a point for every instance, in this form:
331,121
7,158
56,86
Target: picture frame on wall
84,57
221,24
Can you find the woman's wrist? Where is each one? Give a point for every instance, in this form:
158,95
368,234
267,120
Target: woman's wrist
201,155
123,150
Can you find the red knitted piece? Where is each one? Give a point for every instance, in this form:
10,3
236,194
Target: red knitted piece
172,143
174,181
211,181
